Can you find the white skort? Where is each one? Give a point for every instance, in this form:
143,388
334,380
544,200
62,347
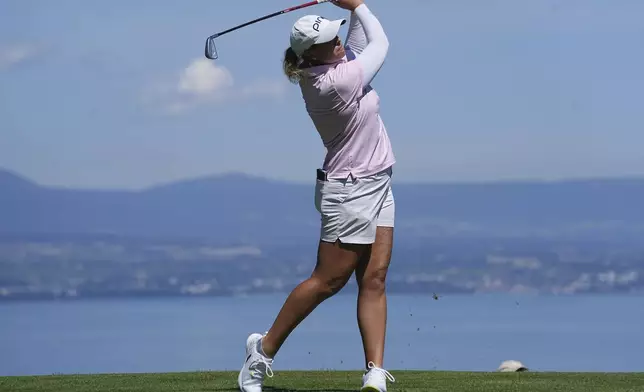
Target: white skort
351,209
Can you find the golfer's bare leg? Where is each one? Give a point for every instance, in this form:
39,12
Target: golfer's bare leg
372,300
336,263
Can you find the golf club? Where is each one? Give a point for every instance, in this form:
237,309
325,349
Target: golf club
211,48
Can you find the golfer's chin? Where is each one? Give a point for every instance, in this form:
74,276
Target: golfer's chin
338,56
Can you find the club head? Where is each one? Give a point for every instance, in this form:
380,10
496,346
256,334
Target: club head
210,50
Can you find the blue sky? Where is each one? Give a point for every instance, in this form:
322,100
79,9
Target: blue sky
118,94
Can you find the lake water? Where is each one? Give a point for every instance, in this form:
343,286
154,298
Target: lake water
547,333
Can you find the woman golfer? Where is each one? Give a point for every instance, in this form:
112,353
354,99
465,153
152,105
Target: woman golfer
353,188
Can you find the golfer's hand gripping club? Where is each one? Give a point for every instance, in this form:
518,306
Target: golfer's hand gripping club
347,4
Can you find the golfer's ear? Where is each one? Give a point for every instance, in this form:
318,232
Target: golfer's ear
347,80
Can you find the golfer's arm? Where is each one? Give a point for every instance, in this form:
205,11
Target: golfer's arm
356,39
373,56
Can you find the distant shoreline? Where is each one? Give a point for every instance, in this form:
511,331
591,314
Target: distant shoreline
430,296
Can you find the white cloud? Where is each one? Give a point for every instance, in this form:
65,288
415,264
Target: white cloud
203,82
13,55
203,78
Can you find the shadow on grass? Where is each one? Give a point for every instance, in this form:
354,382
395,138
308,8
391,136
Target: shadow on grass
278,389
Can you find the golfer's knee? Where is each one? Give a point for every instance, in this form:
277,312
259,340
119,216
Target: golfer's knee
373,282
328,287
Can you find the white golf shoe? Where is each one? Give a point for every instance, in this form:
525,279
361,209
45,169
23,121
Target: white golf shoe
256,366
375,379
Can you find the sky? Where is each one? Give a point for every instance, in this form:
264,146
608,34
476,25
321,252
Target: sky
118,94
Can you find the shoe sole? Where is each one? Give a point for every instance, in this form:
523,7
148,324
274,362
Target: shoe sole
239,376
369,389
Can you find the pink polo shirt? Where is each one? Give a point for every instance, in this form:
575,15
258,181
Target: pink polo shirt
347,119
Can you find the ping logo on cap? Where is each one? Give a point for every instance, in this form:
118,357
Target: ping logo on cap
316,24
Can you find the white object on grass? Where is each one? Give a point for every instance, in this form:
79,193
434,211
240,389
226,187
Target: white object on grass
512,366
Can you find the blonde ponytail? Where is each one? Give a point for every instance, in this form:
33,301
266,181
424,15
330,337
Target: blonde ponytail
291,66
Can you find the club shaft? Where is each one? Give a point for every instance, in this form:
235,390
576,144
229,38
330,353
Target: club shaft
294,8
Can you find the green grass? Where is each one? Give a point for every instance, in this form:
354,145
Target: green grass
332,381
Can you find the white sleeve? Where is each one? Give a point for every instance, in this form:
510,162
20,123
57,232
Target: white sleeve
356,38
373,56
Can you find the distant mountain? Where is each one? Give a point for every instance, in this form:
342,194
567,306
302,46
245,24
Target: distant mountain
237,208
10,181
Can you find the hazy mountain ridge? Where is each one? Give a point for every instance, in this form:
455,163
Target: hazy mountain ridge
236,235
236,208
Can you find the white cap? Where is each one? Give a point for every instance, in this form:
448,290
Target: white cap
313,29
